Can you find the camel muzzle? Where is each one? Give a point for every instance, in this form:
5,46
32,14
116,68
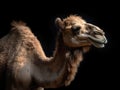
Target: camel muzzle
96,36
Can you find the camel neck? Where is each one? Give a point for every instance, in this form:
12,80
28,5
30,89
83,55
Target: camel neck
51,70
71,58
60,69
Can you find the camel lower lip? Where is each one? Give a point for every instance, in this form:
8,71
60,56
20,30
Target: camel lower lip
102,40
98,45
98,40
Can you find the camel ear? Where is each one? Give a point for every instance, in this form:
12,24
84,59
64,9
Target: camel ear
59,23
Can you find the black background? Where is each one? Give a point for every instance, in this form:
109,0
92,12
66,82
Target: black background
99,70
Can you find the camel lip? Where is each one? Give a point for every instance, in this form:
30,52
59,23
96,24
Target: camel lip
97,41
97,38
97,44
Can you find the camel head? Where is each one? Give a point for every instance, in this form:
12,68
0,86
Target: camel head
77,32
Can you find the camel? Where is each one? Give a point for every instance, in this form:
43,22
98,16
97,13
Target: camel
24,65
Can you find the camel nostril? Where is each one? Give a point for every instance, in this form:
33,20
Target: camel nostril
76,29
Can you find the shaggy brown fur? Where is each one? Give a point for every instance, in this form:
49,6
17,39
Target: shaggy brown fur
24,65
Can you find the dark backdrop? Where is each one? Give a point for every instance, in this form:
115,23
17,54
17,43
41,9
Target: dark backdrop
99,68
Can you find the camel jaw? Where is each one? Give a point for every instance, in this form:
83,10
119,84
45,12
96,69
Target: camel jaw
97,40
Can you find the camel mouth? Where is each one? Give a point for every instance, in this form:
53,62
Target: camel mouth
98,41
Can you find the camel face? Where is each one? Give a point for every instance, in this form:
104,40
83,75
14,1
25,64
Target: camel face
77,32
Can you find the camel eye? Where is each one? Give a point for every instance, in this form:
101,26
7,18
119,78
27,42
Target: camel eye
76,29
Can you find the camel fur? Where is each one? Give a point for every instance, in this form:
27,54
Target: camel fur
24,65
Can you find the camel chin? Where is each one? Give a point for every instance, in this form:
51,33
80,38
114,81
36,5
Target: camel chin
97,40
82,40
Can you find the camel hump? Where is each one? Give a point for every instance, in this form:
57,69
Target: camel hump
19,25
